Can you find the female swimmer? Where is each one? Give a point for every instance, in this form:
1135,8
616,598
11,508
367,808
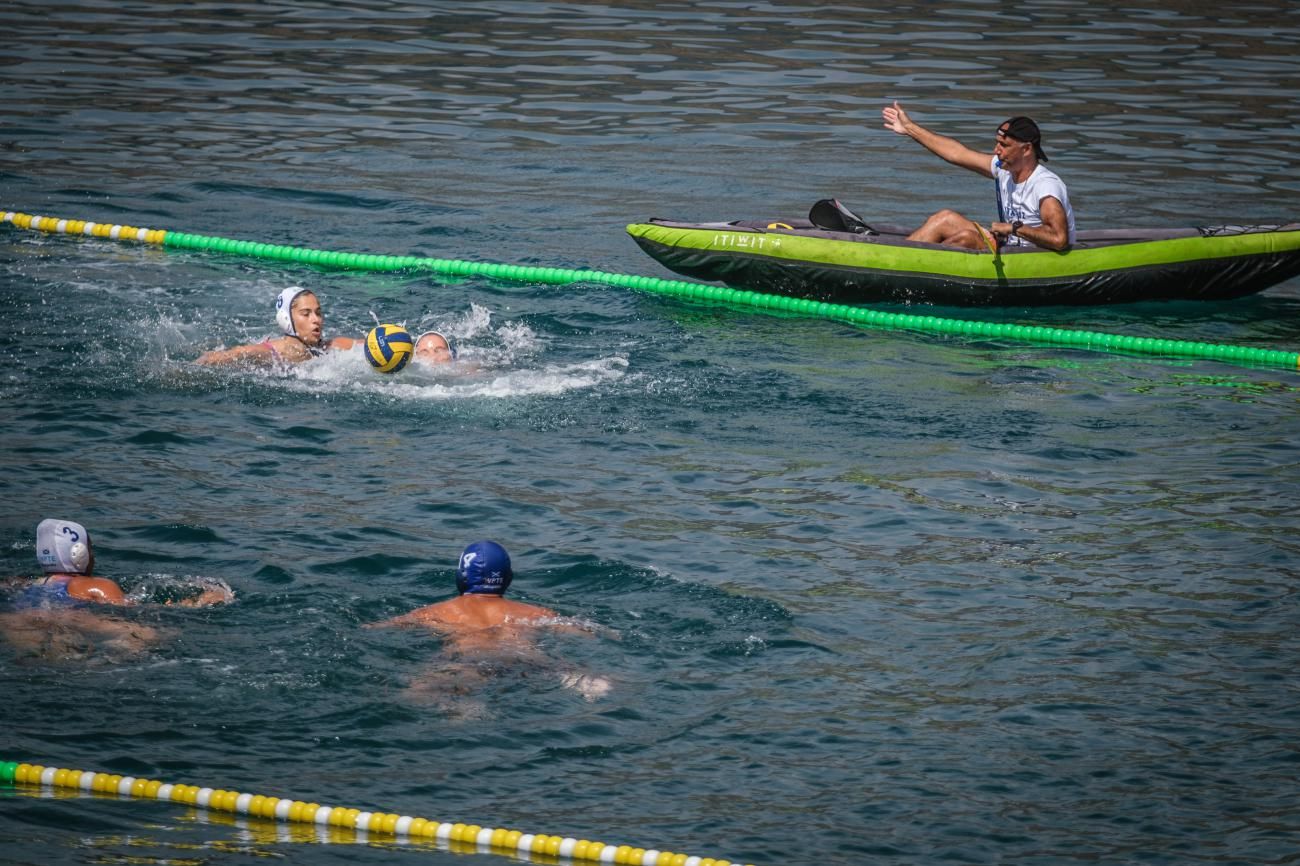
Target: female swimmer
52,617
64,551
433,347
299,315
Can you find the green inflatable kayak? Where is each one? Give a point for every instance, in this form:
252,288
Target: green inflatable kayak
852,262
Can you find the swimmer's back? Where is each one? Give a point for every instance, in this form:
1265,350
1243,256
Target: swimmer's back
485,611
479,612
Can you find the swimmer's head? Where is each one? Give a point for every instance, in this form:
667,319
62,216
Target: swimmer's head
63,547
298,313
484,569
434,347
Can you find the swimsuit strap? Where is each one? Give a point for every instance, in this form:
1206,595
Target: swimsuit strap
43,594
314,351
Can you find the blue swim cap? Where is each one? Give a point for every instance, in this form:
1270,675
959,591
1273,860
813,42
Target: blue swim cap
484,568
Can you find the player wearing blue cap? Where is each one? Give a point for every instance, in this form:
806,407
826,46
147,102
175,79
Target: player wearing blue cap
298,313
480,614
480,625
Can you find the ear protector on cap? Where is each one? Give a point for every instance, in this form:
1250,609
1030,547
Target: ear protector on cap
283,306
63,547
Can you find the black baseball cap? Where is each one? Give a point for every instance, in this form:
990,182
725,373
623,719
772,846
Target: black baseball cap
1024,129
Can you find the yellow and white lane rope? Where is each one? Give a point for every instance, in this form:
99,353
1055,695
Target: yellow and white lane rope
55,225
487,839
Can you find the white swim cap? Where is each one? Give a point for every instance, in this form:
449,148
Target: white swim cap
283,305
451,346
63,547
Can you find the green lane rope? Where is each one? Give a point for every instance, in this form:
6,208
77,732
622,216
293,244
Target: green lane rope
508,843
681,289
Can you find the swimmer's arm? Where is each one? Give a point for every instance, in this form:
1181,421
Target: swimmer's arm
584,628
567,628
82,621
207,598
418,617
342,344
264,353
254,353
129,634
100,590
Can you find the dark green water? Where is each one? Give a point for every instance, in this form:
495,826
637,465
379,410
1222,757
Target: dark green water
879,598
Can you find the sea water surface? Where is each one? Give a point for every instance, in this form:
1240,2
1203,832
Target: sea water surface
863,597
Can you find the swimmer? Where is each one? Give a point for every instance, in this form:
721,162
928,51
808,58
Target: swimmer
66,554
486,633
54,615
298,313
434,347
64,551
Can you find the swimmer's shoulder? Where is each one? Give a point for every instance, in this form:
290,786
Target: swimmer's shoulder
522,611
269,351
340,344
483,612
431,615
97,589
287,348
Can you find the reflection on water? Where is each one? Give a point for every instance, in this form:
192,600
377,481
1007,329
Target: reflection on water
1155,97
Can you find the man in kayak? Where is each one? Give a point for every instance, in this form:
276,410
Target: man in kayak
1033,206
298,313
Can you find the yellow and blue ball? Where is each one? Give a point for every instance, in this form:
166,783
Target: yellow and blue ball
388,348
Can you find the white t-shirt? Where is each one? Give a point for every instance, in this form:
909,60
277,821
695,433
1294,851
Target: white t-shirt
1021,201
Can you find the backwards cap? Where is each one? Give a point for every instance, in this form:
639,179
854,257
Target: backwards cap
484,569
1024,129
63,547
283,304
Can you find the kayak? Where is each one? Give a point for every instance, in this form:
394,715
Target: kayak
834,256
